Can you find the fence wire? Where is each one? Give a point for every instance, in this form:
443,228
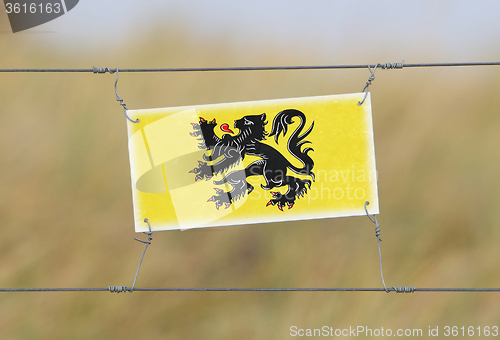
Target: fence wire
123,289
398,65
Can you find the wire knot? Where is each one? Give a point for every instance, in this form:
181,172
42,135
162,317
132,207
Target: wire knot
368,83
389,66
118,289
148,233
377,232
103,70
403,289
374,220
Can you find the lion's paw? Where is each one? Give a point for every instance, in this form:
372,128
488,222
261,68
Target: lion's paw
203,129
281,201
222,198
203,171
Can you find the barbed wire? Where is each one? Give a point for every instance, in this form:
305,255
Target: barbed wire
385,66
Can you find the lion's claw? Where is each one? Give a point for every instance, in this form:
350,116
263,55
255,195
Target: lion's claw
280,200
220,199
202,171
205,131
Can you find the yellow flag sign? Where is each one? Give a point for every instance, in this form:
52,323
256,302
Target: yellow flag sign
253,162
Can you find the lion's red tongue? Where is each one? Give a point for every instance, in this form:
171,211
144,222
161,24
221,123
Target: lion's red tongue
225,128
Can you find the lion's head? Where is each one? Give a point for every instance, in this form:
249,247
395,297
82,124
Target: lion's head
251,128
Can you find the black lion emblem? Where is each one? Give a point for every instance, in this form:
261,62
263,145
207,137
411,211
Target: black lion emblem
229,150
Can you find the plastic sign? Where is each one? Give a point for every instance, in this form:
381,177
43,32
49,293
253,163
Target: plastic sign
252,162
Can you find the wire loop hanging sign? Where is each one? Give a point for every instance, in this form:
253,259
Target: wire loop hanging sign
368,83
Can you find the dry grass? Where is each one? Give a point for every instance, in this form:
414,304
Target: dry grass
66,210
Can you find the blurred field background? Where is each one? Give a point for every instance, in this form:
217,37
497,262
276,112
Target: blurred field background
66,208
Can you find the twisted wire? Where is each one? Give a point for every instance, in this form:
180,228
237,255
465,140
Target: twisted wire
103,70
377,235
147,242
368,83
118,98
118,289
393,66
404,289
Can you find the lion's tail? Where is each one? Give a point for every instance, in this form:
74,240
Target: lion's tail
280,125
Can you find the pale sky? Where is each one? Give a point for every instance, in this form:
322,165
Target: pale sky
442,31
